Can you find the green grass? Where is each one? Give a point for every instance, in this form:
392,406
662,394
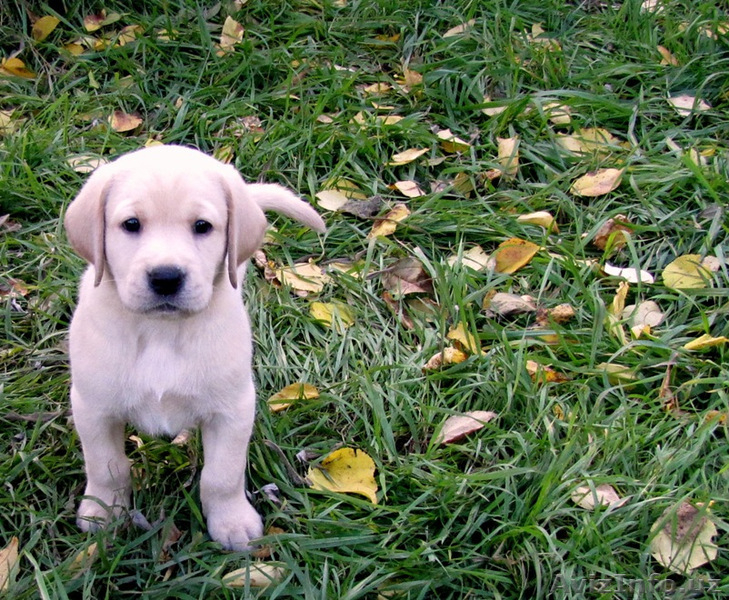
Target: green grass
490,515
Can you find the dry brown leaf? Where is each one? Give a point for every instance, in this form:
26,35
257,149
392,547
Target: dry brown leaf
408,188
95,22
604,495
460,29
612,233
683,539
667,59
122,122
231,35
505,305
513,254
406,276
597,183
459,426
388,224
8,564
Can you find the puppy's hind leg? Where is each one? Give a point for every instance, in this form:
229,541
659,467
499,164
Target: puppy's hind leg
108,484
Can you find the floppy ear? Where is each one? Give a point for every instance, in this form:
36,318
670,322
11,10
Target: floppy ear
246,223
85,222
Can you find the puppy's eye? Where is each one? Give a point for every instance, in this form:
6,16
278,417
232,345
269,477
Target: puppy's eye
202,227
132,225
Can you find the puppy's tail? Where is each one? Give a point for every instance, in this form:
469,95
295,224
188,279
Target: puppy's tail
271,196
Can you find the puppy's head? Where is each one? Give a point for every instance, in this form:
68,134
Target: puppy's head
167,224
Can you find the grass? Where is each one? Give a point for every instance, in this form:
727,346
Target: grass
490,515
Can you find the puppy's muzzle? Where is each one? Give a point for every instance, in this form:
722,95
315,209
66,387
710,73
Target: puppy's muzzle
166,281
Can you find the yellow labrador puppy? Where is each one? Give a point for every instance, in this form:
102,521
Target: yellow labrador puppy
160,337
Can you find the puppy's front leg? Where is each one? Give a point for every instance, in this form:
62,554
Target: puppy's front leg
108,482
232,521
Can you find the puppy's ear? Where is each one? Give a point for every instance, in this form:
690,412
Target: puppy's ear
246,222
85,222
271,196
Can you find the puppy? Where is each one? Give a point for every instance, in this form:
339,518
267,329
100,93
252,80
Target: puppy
160,337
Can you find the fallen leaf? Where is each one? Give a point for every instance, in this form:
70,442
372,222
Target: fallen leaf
492,111
643,317
602,495
397,310
459,426
85,163
683,539
706,341
618,305
8,564
513,254
686,105
303,277
559,314
559,114
331,199
332,313
406,276
377,88
83,560
686,272
460,29
505,305
408,188
463,339
612,234
544,373
449,356
171,536
364,209
629,274
667,59
43,27
474,258
541,218
95,22
285,397
346,470
617,374
508,156
450,143
388,224
255,575
15,66
122,122
406,157
231,35
597,183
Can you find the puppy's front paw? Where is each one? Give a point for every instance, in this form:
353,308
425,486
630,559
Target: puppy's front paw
235,525
93,514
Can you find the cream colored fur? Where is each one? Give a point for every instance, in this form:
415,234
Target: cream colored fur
171,361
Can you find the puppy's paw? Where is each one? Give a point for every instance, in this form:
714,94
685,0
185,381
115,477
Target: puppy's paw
235,526
94,515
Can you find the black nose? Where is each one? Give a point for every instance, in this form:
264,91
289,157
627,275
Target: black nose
166,280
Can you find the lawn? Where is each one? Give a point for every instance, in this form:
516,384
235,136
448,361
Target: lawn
510,104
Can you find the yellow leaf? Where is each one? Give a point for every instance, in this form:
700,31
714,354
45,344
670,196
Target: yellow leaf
686,105
346,470
613,233
604,495
509,156
408,188
449,356
618,305
122,122
129,34
686,272
231,35
43,27
451,143
513,254
255,575
74,48
683,539
459,426
97,21
288,395
331,313
83,560
8,564
331,199
464,340
544,373
377,88
388,224
408,156
541,218
597,183
706,341
617,374
303,277
15,66
459,29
